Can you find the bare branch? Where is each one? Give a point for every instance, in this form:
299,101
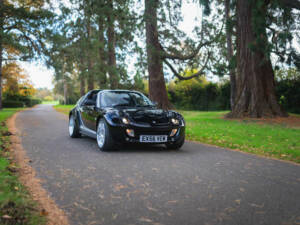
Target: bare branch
200,72
165,55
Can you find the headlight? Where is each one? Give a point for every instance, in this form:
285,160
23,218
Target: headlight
125,120
175,121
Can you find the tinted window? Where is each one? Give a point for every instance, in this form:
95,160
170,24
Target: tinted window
131,99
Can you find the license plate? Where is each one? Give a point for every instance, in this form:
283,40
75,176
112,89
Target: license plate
153,138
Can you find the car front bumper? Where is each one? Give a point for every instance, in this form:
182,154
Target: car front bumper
118,133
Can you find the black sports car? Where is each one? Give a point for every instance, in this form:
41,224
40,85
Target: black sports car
121,116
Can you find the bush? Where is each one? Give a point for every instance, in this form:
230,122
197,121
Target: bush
12,104
288,94
200,95
25,100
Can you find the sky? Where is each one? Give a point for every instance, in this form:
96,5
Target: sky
42,77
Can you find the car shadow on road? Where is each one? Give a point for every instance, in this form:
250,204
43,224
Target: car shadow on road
138,148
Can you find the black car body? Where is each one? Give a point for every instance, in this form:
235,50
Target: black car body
121,116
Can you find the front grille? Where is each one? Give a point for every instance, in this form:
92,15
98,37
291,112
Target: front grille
162,121
152,132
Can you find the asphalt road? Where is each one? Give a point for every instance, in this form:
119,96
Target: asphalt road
197,185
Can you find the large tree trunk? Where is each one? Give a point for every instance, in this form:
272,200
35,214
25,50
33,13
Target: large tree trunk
1,49
65,91
90,79
255,82
230,54
157,86
81,76
101,64
112,65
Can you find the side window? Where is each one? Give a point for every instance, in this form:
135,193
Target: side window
90,99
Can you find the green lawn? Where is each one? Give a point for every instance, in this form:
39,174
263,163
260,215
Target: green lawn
50,102
279,141
16,206
64,108
274,140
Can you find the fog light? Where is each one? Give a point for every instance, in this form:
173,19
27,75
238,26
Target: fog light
130,132
173,132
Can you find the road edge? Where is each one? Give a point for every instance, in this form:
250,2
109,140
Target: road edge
27,176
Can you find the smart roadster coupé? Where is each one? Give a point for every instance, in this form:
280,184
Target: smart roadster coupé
121,116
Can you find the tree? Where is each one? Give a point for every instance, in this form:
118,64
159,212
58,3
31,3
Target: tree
263,30
16,81
22,28
255,84
157,86
229,46
178,51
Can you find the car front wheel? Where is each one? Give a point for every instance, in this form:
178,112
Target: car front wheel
73,127
104,140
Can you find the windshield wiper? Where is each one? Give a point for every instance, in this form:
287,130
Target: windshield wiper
145,105
120,104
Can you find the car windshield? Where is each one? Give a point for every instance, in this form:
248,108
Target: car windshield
121,98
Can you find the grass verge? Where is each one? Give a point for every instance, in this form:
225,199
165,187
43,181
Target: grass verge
50,102
64,108
16,205
261,137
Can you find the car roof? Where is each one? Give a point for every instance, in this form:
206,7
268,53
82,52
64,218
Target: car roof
118,90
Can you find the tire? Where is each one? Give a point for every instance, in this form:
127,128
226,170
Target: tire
104,139
73,127
177,145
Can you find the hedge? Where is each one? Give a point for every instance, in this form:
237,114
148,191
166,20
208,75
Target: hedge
12,104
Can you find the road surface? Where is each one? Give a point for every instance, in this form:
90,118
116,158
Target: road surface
198,184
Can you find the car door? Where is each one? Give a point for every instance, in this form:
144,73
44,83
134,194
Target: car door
85,108
93,112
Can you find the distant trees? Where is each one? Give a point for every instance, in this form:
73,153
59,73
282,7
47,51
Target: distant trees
23,25
16,81
90,44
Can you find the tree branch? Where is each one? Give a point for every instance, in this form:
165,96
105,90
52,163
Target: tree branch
165,55
295,4
200,72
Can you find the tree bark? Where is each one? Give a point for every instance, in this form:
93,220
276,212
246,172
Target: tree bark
255,82
157,86
112,65
65,91
102,68
1,49
90,80
230,54
81,76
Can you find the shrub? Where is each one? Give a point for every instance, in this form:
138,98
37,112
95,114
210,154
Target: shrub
12,104
25,100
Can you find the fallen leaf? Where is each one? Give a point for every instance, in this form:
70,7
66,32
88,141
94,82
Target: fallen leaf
44,213
6,217
238,201
114,216
172,201
144,219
